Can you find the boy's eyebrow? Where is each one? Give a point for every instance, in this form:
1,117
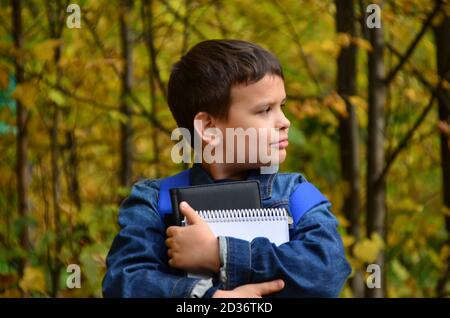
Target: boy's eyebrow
270,103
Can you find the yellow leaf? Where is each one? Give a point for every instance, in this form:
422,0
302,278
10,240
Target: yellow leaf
436,260
45,51
389,16
368,249
432,77
431,229
409,205
348,240
399,270
307,109
330,47
445,85
344,39
445,210
336,102
26,93
444,253
119,116
33,279
410,94
393,239
342,221
57,97
437,20
377,240
358,102
363,44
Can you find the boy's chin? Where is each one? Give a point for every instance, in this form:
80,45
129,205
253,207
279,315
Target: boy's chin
282,156
276,162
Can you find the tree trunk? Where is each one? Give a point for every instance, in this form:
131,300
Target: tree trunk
348,128
376,187
73,183
126,128
186,32
153,76
55,22
442,36
56,189
23,175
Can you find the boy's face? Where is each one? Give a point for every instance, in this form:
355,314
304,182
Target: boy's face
260,106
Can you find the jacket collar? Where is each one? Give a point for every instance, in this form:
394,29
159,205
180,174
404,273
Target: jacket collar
199,176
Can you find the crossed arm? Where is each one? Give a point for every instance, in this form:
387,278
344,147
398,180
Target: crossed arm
142,264
137,263
194,248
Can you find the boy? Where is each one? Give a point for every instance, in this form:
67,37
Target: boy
222,84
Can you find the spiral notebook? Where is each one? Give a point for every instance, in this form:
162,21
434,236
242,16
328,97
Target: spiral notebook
233,209
247,224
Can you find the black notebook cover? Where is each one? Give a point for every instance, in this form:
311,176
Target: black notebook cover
217,196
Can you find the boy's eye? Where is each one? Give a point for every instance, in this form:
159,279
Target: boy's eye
265,110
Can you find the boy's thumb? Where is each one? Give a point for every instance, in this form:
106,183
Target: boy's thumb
192,217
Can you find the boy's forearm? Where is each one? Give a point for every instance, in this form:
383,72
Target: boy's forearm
314,265
127,277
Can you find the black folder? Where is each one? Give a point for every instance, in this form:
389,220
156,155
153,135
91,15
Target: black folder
217,196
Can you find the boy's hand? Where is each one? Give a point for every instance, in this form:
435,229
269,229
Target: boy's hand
193,248
251,290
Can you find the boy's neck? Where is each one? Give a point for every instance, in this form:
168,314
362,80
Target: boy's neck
221,171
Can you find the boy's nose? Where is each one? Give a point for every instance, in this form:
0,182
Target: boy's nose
283,122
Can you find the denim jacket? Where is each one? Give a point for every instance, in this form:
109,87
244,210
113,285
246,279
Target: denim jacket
312,263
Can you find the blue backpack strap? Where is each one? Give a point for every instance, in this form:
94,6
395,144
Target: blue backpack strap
179,180
304,198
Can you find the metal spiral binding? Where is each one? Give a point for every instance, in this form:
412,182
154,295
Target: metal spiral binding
244,215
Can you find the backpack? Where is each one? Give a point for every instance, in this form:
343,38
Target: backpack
305,196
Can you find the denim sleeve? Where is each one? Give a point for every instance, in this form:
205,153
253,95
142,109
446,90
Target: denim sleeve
312,263
137,263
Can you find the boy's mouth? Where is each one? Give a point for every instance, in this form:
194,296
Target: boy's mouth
282,143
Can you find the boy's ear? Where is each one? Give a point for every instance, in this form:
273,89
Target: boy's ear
204,125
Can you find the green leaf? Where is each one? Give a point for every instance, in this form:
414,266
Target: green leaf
57,97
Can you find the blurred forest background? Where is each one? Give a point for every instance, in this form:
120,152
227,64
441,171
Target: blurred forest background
83,115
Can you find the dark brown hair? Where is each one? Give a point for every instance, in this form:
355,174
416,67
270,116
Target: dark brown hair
202,79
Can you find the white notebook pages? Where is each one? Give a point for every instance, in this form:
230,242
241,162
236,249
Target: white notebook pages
247,224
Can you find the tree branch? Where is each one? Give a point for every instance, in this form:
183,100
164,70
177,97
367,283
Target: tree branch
132,97
414,43
403,143
296,38
181,19
149,36
422,79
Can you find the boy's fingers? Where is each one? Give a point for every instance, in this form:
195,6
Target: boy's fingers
270,287
170,230
190,214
